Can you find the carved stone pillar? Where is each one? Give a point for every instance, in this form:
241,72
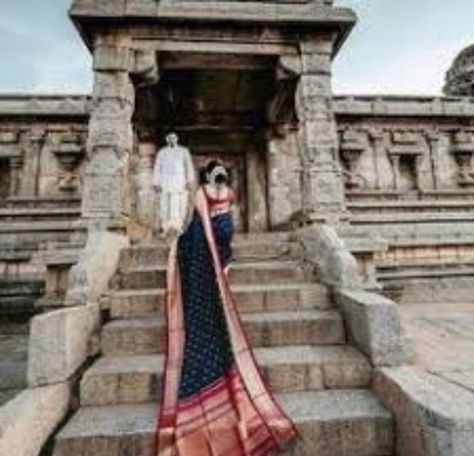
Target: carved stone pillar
146,196
107,192
31,143
110,138
377,138
395,162
432,138
323,187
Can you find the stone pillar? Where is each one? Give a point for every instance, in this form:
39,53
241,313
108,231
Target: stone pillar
31,143
323,186
146,206
432,137
110,138
395,161
284,180
376,137
256,195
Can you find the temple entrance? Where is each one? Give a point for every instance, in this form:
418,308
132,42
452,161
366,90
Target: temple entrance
219,111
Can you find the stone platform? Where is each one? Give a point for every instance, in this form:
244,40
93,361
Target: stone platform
444,336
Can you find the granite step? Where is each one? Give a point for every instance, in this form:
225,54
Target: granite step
39,213
303,327
41,226
137,378
46,202
249,272
131,303
330,423
149,255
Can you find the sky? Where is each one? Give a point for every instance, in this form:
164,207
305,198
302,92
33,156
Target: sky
397,47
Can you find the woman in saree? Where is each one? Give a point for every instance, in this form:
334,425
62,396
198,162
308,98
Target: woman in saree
214,400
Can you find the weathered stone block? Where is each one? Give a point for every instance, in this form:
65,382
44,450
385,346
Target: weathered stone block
28,420
373,325
59,343
434,417
90,277
333,261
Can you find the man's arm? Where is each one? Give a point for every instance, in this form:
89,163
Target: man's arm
189,168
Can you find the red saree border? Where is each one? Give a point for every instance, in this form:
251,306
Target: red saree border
236,327
254,396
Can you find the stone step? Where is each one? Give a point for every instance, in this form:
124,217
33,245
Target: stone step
42,226
330,423
409,206
146,335
410,217
249,298
39,213
149,255
33,239
241,272
137,378
425,272
50,202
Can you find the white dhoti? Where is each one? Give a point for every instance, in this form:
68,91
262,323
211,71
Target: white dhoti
173,174
173,210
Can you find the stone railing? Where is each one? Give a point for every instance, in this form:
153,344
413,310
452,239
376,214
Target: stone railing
372,321
61,341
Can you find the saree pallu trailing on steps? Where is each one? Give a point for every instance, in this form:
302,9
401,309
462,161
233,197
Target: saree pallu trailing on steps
214,401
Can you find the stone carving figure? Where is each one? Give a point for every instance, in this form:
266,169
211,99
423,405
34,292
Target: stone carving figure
174,179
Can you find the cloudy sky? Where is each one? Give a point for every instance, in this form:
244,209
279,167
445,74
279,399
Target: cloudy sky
398,46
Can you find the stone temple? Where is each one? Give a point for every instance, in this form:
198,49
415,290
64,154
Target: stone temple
351,208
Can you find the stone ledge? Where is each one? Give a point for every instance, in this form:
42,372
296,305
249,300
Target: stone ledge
434,417
210,11
60,343
391,105
44,105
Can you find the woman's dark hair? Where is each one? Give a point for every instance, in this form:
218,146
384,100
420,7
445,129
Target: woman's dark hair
206,170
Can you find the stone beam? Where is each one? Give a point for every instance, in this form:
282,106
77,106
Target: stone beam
313,16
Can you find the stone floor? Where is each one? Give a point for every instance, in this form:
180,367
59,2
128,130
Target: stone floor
444,337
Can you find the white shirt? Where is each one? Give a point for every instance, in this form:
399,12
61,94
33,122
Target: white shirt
173,169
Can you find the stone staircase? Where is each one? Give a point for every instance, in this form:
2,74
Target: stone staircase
299,339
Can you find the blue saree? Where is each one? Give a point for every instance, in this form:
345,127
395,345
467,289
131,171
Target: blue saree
214,400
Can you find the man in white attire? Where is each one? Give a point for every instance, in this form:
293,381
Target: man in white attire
174,178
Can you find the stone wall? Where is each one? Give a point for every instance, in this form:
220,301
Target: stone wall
42,146
396,148
409,184
407,170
